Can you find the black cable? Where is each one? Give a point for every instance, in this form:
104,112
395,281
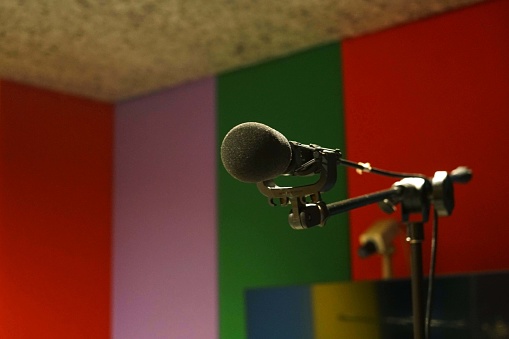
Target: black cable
431,276
367,168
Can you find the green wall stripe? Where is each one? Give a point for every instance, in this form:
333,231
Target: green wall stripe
301,96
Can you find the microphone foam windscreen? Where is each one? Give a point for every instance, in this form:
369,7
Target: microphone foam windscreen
253,152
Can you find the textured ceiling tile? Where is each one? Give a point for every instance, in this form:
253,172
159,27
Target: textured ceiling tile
112,50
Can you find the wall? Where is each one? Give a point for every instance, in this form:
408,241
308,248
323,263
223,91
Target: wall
428,96
164,244
301,97
55,214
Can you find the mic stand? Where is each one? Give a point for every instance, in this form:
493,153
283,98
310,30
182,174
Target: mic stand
415,236
414,194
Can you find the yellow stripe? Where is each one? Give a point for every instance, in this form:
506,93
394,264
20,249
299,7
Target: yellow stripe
345,310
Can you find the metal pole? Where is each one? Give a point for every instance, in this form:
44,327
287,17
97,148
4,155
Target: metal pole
415,232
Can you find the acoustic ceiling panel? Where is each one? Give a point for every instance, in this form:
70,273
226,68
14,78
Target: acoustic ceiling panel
113,50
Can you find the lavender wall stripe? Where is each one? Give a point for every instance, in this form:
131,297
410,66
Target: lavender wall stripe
164,236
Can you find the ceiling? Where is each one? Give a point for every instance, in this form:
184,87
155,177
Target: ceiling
112,50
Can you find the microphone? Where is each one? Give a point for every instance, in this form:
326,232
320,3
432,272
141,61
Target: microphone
256,153
253,152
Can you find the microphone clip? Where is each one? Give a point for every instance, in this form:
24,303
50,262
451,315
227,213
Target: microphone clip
307,160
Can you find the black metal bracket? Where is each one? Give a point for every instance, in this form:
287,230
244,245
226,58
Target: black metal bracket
306,203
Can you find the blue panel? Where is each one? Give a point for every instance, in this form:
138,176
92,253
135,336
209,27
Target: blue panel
279,313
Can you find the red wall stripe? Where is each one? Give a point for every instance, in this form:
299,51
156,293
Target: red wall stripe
55,214
430,96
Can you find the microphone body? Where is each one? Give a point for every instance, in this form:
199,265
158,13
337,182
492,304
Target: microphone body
253,152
